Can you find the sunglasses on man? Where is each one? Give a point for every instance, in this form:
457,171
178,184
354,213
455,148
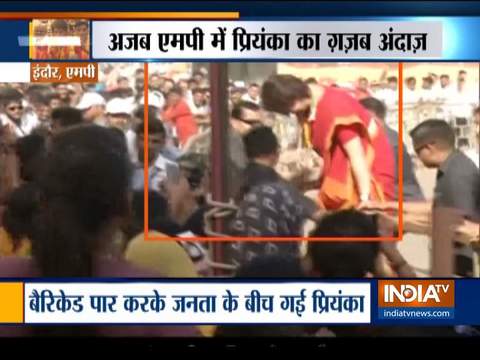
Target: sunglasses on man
15,107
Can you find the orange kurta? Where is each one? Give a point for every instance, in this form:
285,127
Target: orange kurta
337,109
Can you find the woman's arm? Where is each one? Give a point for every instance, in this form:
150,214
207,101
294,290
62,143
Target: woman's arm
360,168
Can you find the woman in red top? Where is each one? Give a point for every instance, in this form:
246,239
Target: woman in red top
179,115
359,162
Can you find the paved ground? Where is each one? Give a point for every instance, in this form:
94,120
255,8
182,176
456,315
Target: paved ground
416,248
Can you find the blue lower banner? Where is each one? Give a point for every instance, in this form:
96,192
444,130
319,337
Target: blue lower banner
239,301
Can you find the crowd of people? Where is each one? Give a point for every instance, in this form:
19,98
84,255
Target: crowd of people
51,38
72,181
460,94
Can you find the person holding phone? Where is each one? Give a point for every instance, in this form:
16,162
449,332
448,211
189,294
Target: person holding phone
158,165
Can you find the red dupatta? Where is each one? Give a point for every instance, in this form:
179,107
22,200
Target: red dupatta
337,188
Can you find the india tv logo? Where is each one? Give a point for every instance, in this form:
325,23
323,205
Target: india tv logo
416,293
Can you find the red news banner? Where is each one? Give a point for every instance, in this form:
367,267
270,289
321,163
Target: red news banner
63,72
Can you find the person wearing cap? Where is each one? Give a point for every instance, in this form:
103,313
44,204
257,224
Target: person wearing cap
92,106
119,113
155,99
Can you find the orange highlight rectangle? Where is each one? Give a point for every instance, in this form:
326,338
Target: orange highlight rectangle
121,15
281,239
416,293
64,72
11,303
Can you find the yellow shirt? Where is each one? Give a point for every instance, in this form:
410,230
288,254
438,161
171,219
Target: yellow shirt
167,258
9,248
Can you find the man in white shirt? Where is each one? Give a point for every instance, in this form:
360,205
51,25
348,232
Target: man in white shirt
435,83
427,93
446,91
410,94
198,104
14,115
464,99
474,152
119,115
389,94
253,94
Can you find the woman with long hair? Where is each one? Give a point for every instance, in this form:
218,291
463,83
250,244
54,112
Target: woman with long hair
84,199
287,101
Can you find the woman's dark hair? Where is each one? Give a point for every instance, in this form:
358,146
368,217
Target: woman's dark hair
280,92
21,207
83,186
